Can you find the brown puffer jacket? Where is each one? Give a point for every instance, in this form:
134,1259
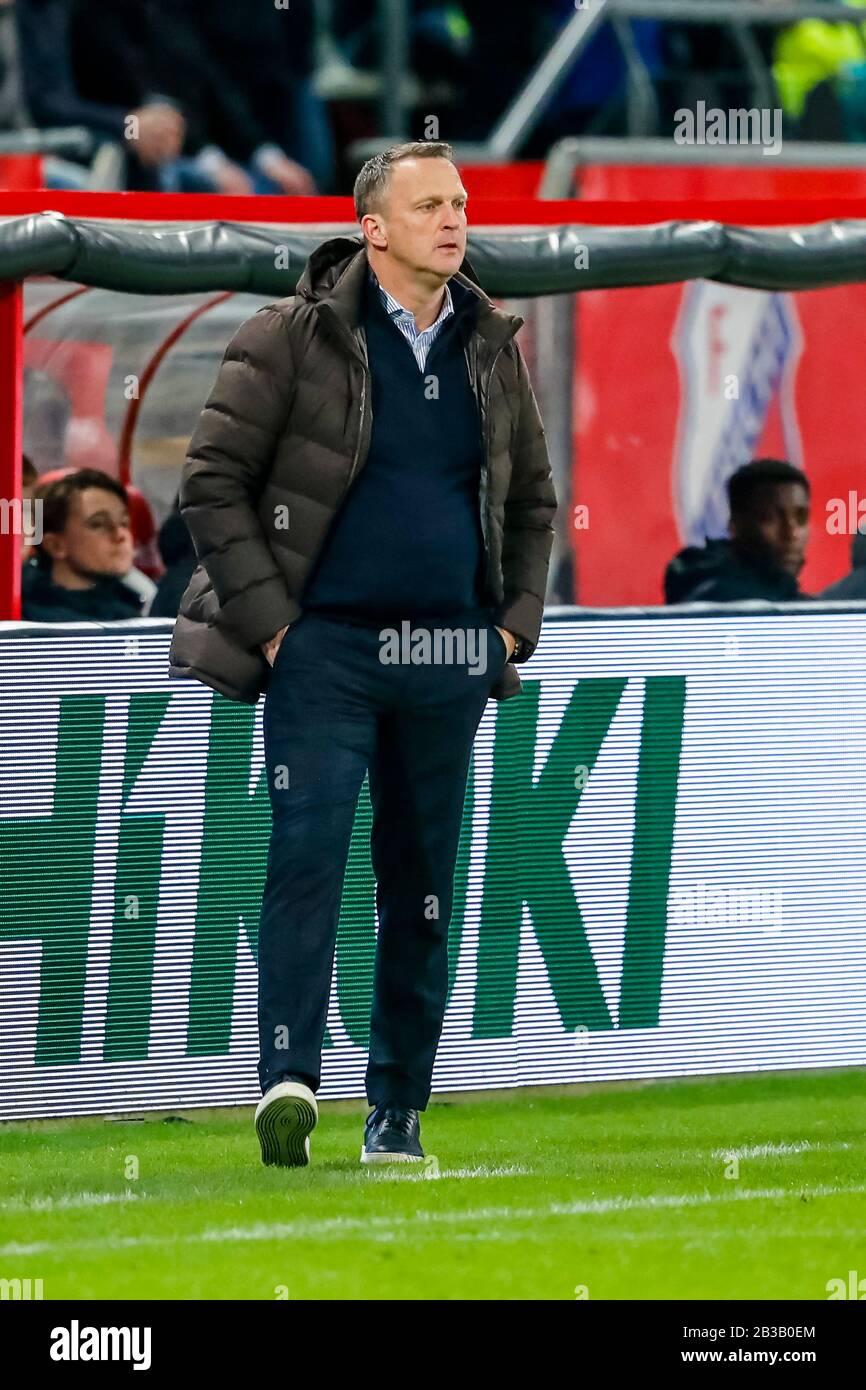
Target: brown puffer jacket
283,432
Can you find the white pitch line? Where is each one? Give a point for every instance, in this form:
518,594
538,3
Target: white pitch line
800,1146
384,1227
67,1203
415,1173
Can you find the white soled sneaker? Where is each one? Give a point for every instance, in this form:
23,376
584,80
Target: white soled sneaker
286,1116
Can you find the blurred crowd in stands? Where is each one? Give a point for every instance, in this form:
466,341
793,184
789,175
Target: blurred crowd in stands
201,98
224,97
814,71
228,97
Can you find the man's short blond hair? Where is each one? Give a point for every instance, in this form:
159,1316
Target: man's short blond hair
372,182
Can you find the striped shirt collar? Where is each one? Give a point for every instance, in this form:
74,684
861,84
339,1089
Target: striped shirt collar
396,310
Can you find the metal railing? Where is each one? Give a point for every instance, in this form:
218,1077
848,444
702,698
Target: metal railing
73,152
561,177
67,142
528,105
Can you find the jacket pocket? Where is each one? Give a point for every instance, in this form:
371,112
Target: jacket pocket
286,635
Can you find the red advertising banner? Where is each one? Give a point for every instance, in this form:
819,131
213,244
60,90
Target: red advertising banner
676,387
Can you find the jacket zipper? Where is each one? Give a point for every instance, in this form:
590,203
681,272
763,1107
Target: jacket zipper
365,371
482,494
361,420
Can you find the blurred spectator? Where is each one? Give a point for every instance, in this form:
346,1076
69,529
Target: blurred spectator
13,109
502,55
769,532
140,577
853,585
235,72
819,68
266,55
55,97
85,550
592,98
179,558
442,46
14,114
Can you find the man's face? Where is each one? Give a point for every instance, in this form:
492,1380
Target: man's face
422,223
97,540
776,525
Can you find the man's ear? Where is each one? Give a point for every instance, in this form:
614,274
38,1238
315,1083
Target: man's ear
374,231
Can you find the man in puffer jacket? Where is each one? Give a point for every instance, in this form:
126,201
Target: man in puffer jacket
370,497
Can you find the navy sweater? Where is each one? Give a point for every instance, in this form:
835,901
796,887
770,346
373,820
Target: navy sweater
407,539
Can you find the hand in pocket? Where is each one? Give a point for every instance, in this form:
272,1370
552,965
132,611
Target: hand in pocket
271,647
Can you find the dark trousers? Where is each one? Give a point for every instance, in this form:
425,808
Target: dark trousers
335,710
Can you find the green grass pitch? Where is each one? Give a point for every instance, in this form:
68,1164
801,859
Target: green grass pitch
734,1188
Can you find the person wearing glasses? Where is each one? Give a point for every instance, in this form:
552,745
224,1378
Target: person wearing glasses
82,549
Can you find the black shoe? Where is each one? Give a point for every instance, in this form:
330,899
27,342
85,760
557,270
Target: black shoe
286,1116
392,1134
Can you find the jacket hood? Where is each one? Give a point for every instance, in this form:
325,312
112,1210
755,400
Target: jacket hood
326,264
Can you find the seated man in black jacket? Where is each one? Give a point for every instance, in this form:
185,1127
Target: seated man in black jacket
769,532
